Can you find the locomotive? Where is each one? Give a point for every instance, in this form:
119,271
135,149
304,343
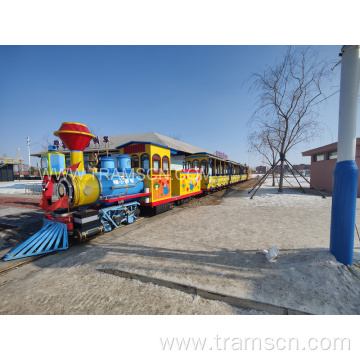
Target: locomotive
111,193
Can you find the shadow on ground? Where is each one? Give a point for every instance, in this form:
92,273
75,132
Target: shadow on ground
308,280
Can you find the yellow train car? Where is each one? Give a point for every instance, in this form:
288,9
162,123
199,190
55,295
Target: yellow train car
215,172
201,172
234,172
165,186
185,182
153,162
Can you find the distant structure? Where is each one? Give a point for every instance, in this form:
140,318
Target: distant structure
302,168
261,169
323,161
278,168
7,168
6,172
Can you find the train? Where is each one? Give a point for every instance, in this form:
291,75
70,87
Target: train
112,192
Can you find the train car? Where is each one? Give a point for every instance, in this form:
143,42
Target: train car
234,172
102,198
166,186
216,172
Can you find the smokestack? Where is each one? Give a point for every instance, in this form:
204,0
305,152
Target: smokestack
76,137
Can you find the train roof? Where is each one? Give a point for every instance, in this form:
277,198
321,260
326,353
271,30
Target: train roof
117,141
213,156
155,139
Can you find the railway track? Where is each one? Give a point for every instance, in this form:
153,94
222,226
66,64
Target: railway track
22,263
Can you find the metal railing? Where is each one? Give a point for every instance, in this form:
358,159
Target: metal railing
33,189
4,161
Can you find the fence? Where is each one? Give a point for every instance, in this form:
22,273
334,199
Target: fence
33,189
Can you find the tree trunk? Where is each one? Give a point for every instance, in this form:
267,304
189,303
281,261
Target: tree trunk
281,175
273,176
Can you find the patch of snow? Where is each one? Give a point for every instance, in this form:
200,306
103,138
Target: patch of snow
17,187
268,195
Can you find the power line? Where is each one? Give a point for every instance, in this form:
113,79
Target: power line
326,98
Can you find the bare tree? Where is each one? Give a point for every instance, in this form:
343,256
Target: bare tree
47,139
175,136
287,94
266,143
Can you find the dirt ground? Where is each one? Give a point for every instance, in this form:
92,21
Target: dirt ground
217,197
217,249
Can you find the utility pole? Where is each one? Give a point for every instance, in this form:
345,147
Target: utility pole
28,144
346,172
18,151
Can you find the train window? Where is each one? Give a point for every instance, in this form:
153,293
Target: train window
204,167
145,163
211,164
196,164
67,160
156,163
134,161
165,164
188,165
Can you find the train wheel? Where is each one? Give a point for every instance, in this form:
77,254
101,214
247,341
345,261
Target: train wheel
161,208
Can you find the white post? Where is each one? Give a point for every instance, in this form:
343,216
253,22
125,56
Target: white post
349,88
28,143
345,178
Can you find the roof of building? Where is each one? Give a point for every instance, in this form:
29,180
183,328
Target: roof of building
149,137
155,138
325,148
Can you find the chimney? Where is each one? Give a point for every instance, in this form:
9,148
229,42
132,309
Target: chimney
76,137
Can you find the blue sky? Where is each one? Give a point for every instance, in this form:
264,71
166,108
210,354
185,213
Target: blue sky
200,93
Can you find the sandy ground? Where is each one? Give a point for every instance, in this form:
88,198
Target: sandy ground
216,248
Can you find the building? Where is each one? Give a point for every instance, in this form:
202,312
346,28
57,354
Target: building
261,169
7,168
323,161
302,167
6,172
278,168
107,145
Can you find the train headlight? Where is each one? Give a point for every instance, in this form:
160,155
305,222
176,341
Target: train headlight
44,163
65,187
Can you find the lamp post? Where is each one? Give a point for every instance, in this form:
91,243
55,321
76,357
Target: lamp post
28,144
